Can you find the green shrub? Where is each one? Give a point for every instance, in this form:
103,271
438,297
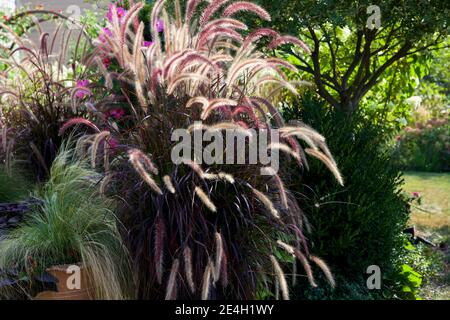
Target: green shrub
360,224
353,289
425,147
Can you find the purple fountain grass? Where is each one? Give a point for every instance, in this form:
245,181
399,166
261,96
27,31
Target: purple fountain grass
246,6
195,217
42,88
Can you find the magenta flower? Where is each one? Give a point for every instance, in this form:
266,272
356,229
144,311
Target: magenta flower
416,194
121,12
81,89
160,25
116,113
106,33
113,144
106,61
147,44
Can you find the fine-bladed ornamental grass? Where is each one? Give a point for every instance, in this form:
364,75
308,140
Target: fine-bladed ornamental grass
72,224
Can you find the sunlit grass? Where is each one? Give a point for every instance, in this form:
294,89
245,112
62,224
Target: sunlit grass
432,219
434,188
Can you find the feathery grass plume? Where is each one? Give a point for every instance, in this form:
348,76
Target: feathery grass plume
280,277
210,176
322,265
217,31
186,77
77,121
219,256
136,158
257,35
187,254
206,282
171,291
138,60
288,39
302,132
106,153
195,167
226,176
224,270
297,254
197,100
104,183
190,9
160,234
83,144
289,249
285,148
328,162
207,69
277,289
301,257
168,183
211,9
281,189
146,161
216,104
98,139
205,199
246,6
227,23
267,203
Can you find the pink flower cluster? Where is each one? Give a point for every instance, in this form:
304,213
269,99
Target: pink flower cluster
160,25
82,90
121,12
147,44
116,113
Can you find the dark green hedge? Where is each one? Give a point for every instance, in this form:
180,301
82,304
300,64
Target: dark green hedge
361,223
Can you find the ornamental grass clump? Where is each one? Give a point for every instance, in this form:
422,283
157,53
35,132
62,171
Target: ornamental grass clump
199,231
72,224
44,84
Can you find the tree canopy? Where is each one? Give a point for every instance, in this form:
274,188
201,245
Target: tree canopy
348,55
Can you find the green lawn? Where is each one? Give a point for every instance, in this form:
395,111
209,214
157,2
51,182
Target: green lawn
432,220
